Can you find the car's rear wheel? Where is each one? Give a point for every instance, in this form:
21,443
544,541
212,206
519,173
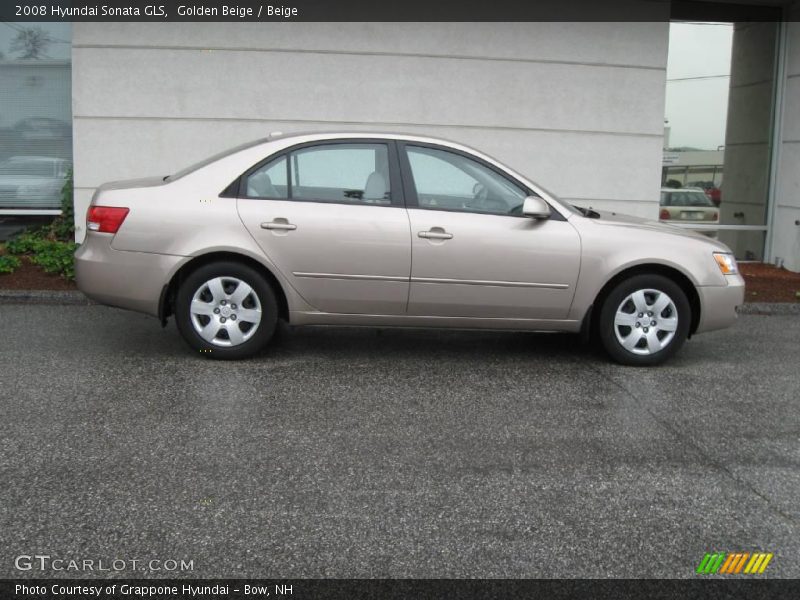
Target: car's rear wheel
644,320
226,310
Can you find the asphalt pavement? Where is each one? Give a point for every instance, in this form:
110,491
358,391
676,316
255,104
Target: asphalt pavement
345,452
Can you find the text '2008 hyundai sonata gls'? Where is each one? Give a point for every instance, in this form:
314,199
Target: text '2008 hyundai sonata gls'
393,230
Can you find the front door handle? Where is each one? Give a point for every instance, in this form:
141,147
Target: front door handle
435,233
279,224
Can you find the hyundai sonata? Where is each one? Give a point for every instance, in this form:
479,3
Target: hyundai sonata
385,230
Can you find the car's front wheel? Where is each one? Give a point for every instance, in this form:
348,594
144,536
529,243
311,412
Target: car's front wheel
644,320
226,310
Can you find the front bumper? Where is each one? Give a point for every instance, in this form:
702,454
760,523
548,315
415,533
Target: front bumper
719,304
130,280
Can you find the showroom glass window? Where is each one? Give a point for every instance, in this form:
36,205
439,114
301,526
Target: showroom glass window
35,121
342,173
718,127
449,181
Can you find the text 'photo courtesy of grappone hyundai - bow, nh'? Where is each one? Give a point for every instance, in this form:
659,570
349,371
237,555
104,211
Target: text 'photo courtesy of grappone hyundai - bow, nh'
385,230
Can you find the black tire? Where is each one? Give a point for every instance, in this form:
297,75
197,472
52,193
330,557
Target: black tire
262,292
607,330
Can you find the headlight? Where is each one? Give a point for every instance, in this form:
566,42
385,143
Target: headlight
726,263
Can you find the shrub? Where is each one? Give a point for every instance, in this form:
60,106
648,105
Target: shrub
25,243
52,246
56,257
63,226
8,263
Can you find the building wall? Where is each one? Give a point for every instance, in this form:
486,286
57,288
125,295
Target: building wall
748,138
786,222
576,106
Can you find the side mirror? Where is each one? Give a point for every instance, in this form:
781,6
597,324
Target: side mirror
535,208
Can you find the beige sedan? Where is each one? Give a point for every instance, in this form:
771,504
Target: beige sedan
381,229
689,206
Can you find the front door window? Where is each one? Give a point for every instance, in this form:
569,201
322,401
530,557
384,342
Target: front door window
449,181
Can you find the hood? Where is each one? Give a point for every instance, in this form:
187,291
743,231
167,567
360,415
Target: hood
614,219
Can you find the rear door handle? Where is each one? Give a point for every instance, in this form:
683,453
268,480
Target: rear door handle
280,224
435,233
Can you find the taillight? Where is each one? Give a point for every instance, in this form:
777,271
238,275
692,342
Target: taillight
664,214
105,219
714,216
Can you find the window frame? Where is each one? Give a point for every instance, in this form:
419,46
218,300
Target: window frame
238,188
410,188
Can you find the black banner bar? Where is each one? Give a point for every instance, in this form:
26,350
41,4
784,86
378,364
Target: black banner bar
398,589
373,10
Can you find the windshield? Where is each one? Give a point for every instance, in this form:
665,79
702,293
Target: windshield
216,157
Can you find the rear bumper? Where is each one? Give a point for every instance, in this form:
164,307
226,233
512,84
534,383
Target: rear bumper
719,304
130,280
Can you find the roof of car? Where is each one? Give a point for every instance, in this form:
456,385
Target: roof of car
322,135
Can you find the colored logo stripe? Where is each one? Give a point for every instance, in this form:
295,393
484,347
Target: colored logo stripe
734,563
711,563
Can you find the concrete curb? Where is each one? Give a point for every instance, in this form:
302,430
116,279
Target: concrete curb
770,308
44,297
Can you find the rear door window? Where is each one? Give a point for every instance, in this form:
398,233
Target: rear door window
346,173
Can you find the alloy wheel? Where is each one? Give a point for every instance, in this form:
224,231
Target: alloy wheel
646,321
225,311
